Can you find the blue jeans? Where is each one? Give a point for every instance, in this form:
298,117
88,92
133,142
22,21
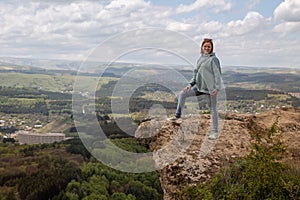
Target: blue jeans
212,102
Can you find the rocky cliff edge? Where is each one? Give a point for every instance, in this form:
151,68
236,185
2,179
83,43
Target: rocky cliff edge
184,156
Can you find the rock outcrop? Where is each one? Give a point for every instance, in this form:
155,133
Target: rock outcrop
184,156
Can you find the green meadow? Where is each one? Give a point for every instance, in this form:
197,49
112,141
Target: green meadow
58,82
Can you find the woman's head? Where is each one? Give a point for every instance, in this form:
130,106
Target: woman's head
207,46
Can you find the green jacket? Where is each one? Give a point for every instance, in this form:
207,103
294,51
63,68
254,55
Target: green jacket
207,74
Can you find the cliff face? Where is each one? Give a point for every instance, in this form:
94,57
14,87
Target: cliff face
184,156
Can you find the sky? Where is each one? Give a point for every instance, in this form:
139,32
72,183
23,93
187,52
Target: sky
260,33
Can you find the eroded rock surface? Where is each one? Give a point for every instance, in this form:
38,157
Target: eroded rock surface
183,155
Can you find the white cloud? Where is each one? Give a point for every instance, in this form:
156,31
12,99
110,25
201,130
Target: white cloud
216,5
289,10
211,27
252,3
78,26
288,16
179,26
287,28
125,5
253,21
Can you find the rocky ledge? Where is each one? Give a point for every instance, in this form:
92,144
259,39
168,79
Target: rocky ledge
184,156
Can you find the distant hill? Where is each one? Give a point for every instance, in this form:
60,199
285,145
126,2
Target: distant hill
40,63
285,81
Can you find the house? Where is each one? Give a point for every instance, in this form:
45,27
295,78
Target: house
25,137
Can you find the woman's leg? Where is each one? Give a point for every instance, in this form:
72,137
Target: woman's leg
181,99
214,113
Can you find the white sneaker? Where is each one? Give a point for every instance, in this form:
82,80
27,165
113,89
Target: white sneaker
213,135
175,119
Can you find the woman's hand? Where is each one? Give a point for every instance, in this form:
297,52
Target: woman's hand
187,88
214,93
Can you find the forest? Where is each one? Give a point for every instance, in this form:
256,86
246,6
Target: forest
67,171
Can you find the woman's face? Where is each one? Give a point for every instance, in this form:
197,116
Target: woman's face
206,48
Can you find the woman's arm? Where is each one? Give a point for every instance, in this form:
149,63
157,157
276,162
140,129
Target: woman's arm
217,74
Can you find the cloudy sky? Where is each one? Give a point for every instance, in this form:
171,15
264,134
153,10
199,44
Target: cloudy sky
263,33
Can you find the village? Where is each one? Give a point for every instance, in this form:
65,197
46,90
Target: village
31,128
25,129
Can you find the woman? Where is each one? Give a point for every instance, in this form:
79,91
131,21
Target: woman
206,81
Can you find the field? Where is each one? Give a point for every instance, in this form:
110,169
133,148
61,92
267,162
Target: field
50,91
56,82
